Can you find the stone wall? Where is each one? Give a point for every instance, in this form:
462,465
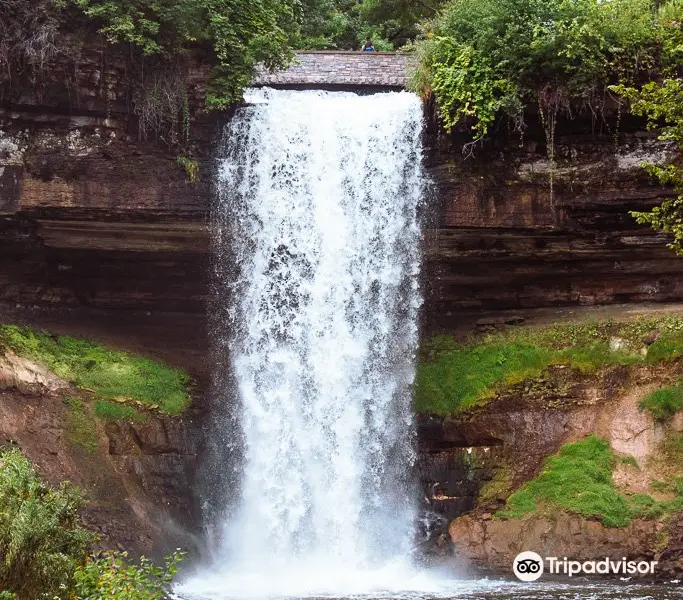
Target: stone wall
343,70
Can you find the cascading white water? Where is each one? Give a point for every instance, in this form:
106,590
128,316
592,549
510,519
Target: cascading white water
317,243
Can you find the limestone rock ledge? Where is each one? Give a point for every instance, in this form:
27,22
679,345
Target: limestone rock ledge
493,544
93,216
469,465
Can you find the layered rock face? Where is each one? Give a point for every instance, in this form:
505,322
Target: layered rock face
500,446
91,214
504,236
94,217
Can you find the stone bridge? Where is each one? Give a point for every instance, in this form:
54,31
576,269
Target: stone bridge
342,70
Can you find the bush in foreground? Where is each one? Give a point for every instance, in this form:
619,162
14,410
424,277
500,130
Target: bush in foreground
42,541
112,577
44,549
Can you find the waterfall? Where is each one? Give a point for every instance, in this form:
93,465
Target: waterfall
316,241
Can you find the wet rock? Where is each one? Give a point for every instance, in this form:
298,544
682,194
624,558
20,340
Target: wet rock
493,544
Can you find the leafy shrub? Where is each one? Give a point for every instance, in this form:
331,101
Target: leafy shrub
108,373
41,539
113,577
662,104
238,33
485,58
577,479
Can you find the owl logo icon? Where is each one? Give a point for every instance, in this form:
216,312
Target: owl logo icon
528,566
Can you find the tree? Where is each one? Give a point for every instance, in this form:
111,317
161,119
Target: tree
662,104
240,34
484,58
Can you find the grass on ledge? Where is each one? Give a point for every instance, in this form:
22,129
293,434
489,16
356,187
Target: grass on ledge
664,403
80,426
109,374
453,378
113,411
578,479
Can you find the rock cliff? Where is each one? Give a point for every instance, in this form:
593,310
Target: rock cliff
95,217
96,222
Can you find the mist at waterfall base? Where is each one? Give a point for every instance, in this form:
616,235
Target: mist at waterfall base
316,239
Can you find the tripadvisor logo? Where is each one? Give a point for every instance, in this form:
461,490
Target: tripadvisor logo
529,566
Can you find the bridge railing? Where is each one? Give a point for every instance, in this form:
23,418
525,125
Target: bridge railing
342,69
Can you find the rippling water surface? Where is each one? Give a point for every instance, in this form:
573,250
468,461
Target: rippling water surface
511,590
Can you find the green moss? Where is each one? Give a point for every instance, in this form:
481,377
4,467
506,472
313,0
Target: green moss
668,463
645,506
496,487
113,411
110,374
664,403
577,479
667,349
462,376
453,377
80,426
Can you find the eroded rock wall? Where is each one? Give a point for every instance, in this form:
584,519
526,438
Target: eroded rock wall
504,237
93,216
137,478
503,444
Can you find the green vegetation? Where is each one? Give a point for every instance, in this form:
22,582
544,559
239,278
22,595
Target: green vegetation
577,479
191,168
668,463
112,577
44,549
453,378
346,24
662,104
113,411
482,59
80,426
109,374
664,403
457,377
238,34
233,36
41,539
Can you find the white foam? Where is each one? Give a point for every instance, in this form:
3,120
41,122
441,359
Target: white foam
318,211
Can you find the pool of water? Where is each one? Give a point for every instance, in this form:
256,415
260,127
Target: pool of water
489,589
